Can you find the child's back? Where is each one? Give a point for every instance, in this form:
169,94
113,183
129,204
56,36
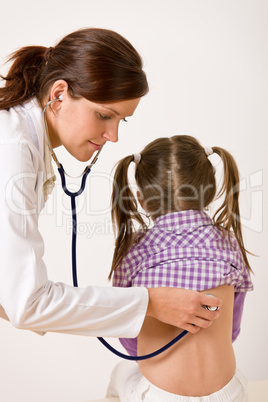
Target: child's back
199,364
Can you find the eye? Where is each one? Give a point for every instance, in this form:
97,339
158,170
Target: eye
103,116
124,120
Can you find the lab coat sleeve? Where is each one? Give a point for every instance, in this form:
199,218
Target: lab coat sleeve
28,298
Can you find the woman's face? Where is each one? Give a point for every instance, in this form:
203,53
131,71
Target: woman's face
82,127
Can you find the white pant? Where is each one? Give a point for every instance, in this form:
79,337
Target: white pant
129,385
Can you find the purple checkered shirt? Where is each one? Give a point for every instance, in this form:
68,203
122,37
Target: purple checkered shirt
185,250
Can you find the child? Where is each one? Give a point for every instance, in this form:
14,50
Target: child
184,248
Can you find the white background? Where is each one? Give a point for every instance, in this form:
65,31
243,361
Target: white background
207,65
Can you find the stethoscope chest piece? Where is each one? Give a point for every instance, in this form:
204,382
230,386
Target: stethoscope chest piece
209,308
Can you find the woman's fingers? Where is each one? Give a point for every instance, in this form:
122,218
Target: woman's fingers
182,308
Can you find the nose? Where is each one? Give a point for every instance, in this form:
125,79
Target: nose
111,134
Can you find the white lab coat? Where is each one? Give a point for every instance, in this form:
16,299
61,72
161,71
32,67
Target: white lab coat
27,298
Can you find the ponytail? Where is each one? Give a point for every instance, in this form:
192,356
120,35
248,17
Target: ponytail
228,214
22,80
124,212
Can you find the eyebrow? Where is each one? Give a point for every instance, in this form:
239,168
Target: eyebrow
112,110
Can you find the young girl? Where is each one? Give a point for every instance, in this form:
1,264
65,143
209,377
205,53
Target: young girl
86,84
184,248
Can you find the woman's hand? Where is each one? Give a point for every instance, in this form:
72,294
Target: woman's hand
182,308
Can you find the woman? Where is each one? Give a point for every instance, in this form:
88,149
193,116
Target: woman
95,79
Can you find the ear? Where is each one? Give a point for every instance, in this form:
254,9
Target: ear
59,90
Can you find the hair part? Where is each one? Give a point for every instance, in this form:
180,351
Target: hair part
98,64
174,174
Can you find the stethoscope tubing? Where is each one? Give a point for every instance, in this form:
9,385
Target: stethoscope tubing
74,272
63,182
73,196
143,357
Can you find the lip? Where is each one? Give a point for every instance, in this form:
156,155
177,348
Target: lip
97,147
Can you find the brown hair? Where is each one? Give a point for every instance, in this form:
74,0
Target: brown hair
174,174
98,64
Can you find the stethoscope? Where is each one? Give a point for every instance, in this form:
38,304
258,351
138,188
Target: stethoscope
73,196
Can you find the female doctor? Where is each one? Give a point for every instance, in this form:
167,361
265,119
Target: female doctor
95,79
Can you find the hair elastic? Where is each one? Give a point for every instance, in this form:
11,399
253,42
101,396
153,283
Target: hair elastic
48,53
208,150
137,158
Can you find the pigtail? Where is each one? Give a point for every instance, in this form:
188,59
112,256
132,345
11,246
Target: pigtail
124,212
22,80
228,214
